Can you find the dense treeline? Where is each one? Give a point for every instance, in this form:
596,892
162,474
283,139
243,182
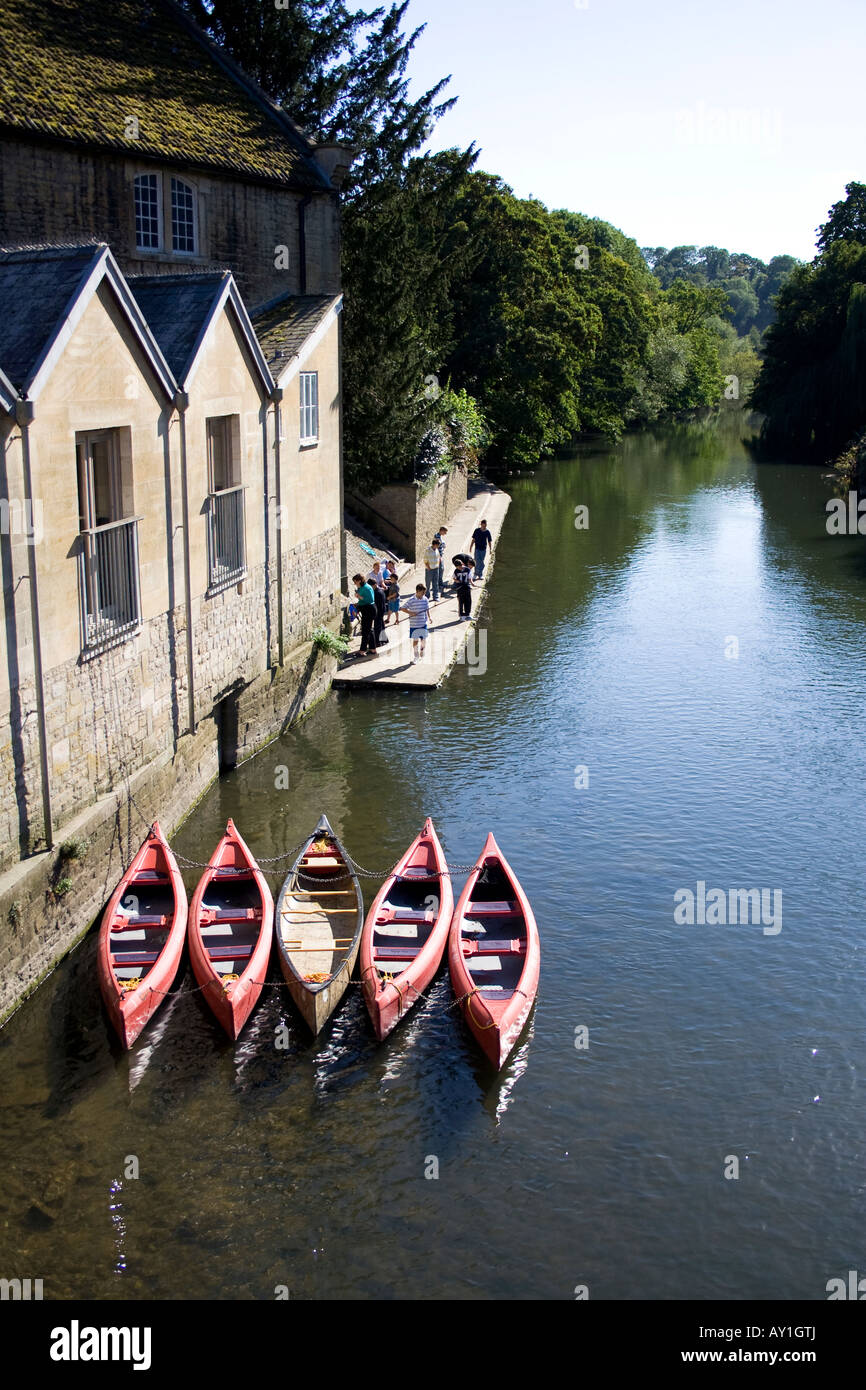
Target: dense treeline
476,323
812,387
749,284
750,288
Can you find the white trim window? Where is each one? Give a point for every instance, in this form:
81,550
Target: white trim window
309,387
226,523
147,212
108,567
183,227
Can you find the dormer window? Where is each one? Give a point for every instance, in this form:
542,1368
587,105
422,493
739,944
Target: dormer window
147,218
182,217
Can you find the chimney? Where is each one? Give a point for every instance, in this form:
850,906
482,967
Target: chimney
335,160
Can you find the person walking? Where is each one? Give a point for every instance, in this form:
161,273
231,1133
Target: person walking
432,561
463,586
482,540
377,580
365,595
418,609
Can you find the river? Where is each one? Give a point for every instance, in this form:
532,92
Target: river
671,696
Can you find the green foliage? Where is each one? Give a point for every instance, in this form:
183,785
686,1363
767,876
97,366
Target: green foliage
455,440
617,285
850,468
523,333
399,311
339,73
737,358
326,641
846,220
74,848
62,887
751,285
812,386
661,377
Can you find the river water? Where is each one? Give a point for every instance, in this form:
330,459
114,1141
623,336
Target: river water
671,696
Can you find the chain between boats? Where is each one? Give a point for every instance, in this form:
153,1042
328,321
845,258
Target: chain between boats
358,871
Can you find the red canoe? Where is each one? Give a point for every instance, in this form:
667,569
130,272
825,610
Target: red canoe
141,937
406,932
231,925
494,954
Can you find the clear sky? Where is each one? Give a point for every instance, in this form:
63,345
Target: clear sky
718,122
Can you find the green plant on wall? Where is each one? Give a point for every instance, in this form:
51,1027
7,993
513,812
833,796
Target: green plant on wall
326,641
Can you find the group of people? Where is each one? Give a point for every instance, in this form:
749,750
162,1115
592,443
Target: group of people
378,595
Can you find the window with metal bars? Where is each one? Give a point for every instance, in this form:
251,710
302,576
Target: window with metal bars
108,569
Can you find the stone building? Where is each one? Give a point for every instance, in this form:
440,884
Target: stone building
170,439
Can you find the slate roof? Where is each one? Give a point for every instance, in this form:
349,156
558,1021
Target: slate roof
283,328
176,308
77,70
37,285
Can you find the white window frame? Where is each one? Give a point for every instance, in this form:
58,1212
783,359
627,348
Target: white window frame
160,242
308,389
225,506
177,251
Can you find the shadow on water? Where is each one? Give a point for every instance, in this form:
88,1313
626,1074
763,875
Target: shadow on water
84,1046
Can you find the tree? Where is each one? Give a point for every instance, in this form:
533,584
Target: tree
524,334
399,310
812,385
339,74
692,304
846,220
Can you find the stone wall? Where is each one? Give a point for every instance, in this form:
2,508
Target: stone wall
48,902
117,712
407,517
47,190
311,585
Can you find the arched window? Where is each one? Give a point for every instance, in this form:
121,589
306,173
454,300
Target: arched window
182,217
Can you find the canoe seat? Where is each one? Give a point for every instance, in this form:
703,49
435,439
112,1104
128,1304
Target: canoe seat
149,876
321,861
404,920
230,914
233,871
139,919
479,908
418,873
127,958
381,953
236,952
485,947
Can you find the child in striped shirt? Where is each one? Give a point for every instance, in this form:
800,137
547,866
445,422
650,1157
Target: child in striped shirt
418,609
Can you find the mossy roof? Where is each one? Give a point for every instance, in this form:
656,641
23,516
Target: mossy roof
283,329
84,71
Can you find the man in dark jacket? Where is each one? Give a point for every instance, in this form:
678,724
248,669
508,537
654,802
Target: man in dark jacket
482,540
